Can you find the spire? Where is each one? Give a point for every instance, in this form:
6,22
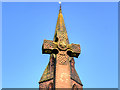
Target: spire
60,31
61,44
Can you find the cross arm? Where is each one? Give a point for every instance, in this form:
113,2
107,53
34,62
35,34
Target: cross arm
49,47
74,50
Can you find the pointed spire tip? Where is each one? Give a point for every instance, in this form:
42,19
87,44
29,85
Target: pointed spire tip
60,4
60,8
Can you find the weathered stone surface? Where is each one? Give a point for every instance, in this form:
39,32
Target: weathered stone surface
60,71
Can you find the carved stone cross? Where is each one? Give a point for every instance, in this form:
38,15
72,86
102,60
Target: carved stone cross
62,51
49,47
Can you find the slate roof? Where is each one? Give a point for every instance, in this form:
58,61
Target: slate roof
75,77
47,75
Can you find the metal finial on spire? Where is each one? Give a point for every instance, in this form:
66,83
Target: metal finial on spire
60,8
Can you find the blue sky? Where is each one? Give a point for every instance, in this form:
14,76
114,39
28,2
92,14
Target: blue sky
92,25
